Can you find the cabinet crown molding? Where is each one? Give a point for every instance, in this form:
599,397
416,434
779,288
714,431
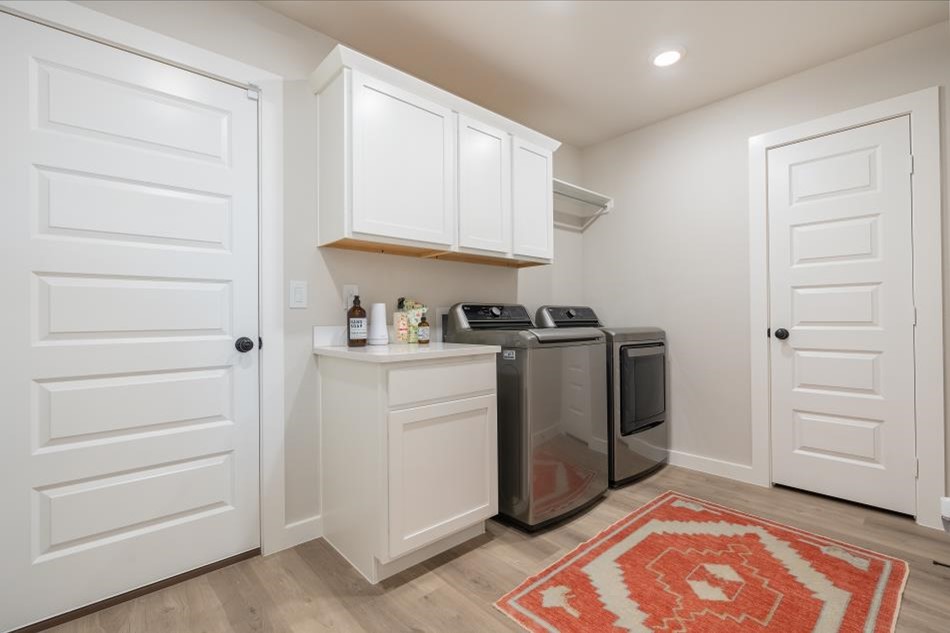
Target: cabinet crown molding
342,57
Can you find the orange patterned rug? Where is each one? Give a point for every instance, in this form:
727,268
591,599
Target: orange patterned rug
687,565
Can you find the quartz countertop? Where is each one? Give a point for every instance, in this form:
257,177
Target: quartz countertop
402,352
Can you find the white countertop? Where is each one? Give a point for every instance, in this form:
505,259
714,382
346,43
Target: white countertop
401,352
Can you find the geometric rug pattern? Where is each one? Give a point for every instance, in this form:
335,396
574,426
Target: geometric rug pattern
681,564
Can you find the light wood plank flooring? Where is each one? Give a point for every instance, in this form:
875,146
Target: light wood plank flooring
311,589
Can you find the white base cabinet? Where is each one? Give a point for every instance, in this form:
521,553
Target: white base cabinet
409,456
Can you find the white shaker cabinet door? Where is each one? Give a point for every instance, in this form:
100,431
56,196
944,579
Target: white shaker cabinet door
443,470
484,187
403,164
533,201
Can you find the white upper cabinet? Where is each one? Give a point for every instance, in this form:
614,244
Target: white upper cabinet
403,164
532,200
408,168
484,187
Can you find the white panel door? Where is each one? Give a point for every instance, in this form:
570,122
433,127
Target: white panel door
128,266
532,200
484,187
403,164
841,273
443,470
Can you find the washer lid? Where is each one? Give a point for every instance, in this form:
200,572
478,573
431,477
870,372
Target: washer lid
624,334
562,336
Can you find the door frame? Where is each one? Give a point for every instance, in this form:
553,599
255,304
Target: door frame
923,107
275,533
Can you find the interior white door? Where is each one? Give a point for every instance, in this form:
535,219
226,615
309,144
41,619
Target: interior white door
403,164
128,265
532,200
840,262
484,187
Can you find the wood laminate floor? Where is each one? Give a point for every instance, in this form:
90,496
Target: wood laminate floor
311,589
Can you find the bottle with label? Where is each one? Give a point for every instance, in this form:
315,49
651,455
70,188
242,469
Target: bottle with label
423,332
356,329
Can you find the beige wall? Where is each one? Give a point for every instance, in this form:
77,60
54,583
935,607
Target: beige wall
675,251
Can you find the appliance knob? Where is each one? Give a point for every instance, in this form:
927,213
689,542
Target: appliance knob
496,311
571,313
244,345
781,334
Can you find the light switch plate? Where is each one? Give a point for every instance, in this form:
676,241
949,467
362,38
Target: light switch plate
298,294
349,291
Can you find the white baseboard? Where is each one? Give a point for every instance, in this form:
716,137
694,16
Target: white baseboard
945,508
713,466
296,533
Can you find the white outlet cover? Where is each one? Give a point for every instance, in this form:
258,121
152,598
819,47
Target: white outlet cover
298,294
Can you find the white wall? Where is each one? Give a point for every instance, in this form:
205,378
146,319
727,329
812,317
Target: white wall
250,33
563,281
674,252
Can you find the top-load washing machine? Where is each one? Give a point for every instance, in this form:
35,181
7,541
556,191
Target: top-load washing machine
552,416
638,429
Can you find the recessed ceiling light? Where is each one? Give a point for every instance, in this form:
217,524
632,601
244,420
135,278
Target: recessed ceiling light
668,57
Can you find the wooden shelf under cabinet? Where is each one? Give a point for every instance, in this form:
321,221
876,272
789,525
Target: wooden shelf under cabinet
429,253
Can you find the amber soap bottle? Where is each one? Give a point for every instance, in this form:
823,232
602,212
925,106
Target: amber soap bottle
356,325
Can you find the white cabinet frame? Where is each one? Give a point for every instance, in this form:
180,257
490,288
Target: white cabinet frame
346,221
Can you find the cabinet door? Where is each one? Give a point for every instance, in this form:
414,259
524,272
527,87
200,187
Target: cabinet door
443,470
484,187
533,200
403,164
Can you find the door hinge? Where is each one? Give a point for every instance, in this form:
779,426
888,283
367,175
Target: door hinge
253,92
910,164
917,468
768,333
915,316
260,343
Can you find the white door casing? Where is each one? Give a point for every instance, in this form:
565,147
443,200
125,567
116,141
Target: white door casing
129,264
841,283
403,164
484,187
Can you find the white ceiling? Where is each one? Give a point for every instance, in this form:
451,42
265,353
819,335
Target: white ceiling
580,71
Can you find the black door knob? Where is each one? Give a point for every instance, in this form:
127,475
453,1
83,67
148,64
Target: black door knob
781,334
244,345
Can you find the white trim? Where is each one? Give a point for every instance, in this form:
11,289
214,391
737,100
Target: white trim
713,466
275,533
923,108
298,532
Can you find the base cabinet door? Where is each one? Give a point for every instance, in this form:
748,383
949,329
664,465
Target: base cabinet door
443,467
403,164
